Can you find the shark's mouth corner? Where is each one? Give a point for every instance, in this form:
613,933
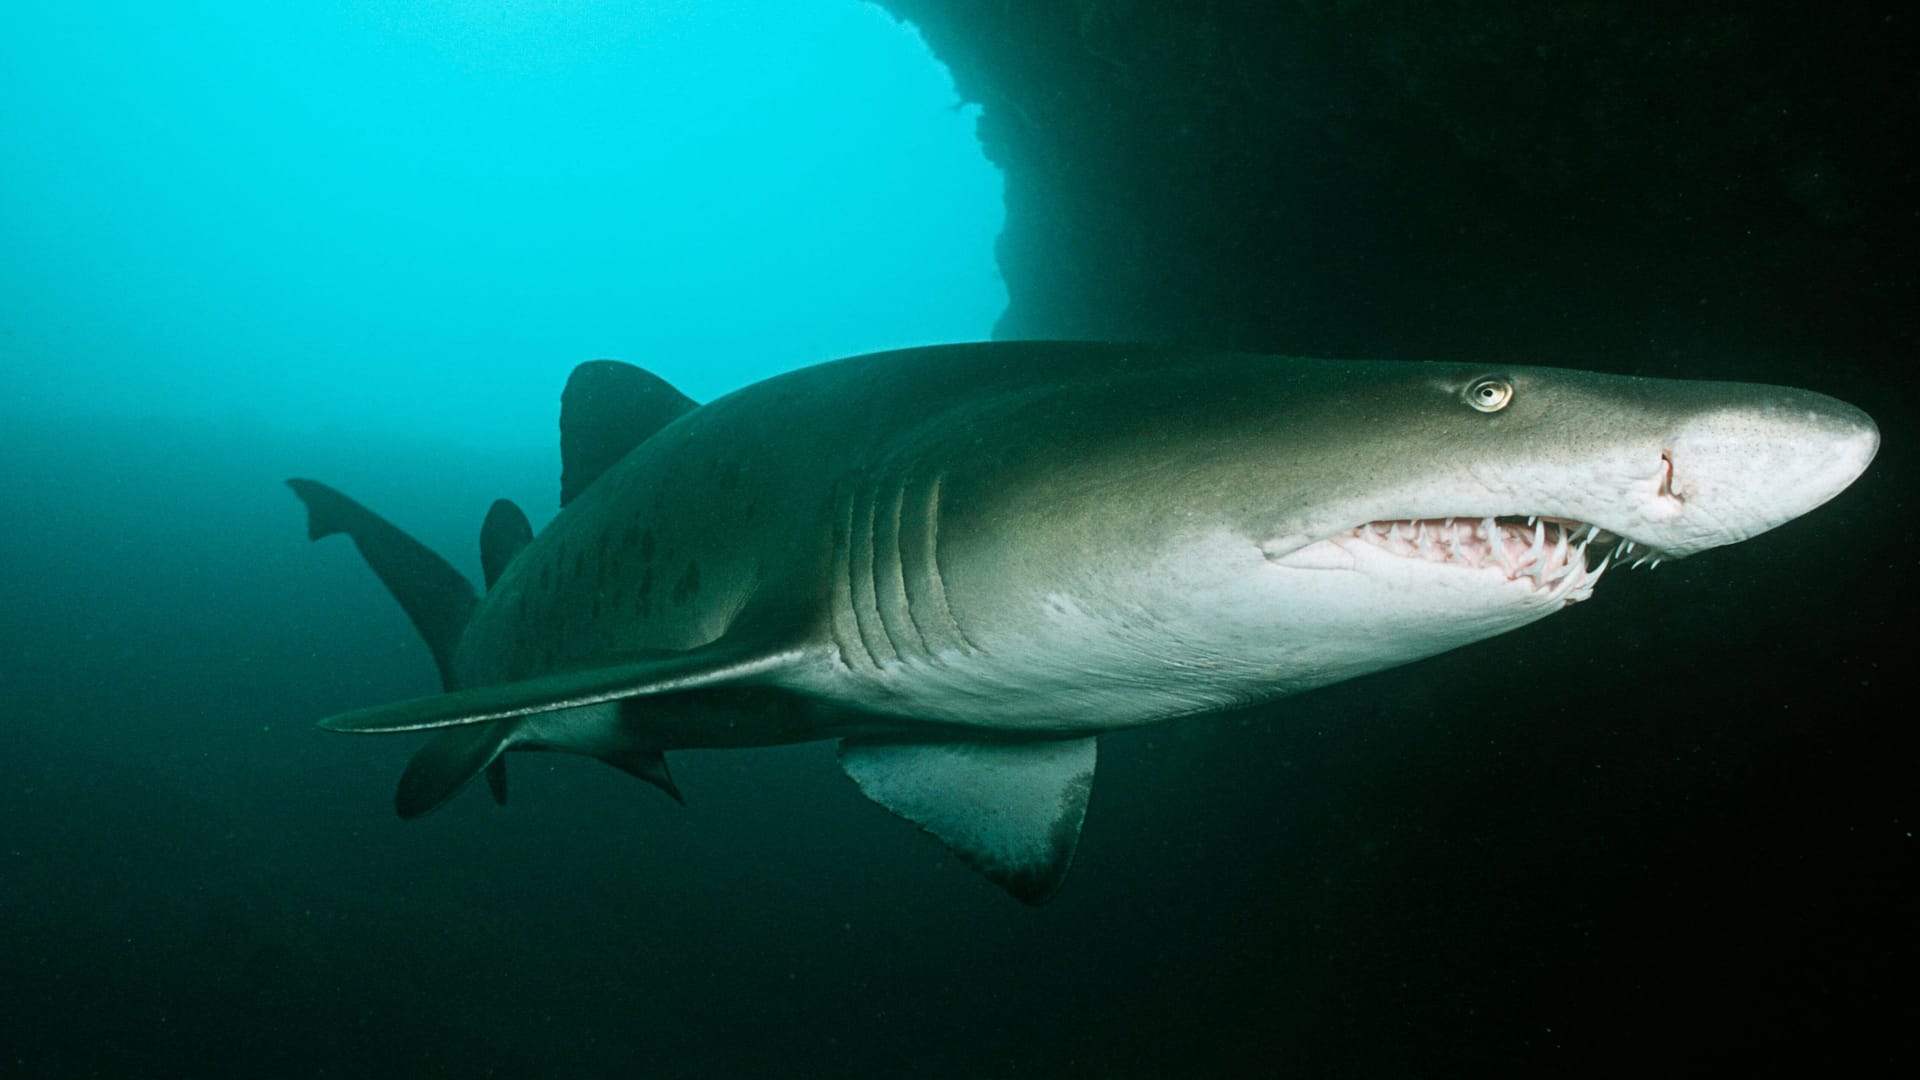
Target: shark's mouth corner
1561,557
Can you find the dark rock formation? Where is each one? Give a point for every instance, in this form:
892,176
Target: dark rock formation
1607,184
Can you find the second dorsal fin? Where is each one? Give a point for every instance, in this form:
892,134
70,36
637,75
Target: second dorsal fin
502,535
607,409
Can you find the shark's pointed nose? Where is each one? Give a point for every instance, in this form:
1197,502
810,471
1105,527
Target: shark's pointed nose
1858,436
1836,443
1756,463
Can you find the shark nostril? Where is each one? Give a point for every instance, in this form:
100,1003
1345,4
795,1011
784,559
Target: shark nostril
1667,489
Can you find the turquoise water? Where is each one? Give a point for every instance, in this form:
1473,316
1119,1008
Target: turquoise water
419,217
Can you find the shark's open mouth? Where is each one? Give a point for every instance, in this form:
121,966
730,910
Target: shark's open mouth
1564,557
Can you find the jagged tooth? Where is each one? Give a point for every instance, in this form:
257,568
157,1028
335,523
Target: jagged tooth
1531,518
1654,565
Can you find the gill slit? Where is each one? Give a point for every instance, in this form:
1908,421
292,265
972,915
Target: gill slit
866,601
909,634
938,590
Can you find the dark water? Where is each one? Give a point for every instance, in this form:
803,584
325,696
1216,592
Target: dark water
1672,817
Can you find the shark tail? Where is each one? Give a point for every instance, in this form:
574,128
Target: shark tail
435,596
607,409
439,600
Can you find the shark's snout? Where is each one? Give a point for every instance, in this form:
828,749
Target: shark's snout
1736,471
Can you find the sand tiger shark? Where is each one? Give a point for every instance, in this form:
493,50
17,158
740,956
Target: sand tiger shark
967,562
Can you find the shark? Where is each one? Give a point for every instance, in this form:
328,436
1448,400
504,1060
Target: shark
967,562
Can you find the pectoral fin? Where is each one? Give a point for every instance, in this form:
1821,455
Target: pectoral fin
1011,810
722,663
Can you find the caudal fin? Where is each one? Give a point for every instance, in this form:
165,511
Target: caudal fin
435,596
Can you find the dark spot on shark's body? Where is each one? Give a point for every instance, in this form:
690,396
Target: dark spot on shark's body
646,545
689,583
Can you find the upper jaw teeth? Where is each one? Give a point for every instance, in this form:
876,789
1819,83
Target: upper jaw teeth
1552,552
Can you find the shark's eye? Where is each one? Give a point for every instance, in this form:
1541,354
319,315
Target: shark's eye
1490,394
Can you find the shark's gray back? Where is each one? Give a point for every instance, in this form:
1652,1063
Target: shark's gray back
745,500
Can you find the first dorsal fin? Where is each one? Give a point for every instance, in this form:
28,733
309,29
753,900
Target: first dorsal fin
502,535
607,409
433,594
